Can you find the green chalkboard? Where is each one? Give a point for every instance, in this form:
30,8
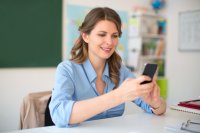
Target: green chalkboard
30,33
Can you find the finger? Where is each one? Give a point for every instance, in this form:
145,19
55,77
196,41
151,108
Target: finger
144,89
141,91
143,78
146,94
154,78
147,86
156,92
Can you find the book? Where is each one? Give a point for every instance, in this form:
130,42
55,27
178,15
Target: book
194,104
185,109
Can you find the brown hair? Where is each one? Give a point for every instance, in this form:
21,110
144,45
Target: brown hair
79,51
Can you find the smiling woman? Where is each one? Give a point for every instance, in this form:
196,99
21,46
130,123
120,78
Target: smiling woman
94,84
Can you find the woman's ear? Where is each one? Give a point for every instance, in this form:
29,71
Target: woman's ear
85,37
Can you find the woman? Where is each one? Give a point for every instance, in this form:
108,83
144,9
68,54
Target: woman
95,84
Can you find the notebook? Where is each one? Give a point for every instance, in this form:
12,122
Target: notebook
185,109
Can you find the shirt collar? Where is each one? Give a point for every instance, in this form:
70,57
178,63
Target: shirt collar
106,70
91,74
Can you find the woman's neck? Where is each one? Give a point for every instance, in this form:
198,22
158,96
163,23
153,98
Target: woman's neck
98,65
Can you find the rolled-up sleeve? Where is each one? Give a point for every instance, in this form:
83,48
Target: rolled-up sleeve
62,97
139,102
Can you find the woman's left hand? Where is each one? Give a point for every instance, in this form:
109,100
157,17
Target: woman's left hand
153,98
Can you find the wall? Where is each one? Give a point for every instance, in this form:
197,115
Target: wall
14,85
182,67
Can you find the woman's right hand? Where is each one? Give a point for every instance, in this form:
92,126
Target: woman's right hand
132,88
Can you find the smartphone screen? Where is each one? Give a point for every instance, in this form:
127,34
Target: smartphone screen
149,70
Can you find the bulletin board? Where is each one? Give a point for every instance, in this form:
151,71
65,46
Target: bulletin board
189,30
30,33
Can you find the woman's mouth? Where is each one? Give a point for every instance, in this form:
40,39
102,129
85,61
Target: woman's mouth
107,50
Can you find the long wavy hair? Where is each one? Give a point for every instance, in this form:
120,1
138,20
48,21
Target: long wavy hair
79,52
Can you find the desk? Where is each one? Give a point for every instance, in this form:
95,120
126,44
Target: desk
135,123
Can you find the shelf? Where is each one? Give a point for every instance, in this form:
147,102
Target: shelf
147,32
151,57
153,36
156,36
139,14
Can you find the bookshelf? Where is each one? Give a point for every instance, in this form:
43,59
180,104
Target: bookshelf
146,41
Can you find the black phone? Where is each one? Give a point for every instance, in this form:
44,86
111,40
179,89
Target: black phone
149,70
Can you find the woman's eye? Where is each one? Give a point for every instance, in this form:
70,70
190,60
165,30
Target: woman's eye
102,35
115,36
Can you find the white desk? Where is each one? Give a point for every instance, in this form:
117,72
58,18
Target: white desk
135,123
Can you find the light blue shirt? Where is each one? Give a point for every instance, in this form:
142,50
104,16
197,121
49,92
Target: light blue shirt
75,82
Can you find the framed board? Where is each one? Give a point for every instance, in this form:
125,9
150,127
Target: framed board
30,34
189,30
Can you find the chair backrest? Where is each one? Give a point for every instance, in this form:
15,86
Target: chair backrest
32,111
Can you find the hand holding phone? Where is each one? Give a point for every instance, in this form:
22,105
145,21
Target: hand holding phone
149,70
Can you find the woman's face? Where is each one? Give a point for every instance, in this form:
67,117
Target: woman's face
102,41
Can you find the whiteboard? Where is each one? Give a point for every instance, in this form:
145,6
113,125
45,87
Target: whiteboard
189,30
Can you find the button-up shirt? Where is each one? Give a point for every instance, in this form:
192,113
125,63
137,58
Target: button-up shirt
76,82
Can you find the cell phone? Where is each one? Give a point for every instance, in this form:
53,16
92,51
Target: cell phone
149,70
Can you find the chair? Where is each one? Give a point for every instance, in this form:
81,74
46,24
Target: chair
34,110
48,121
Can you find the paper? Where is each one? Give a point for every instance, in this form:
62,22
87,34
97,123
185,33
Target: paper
189,36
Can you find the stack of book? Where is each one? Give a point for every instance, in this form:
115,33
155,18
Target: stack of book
191,106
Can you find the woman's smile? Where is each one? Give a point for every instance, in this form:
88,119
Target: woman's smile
106,50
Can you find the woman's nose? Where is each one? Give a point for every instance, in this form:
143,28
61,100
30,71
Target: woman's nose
109,40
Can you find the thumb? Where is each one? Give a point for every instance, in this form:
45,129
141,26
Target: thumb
143,78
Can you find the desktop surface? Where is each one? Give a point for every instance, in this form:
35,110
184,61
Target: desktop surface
140,122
